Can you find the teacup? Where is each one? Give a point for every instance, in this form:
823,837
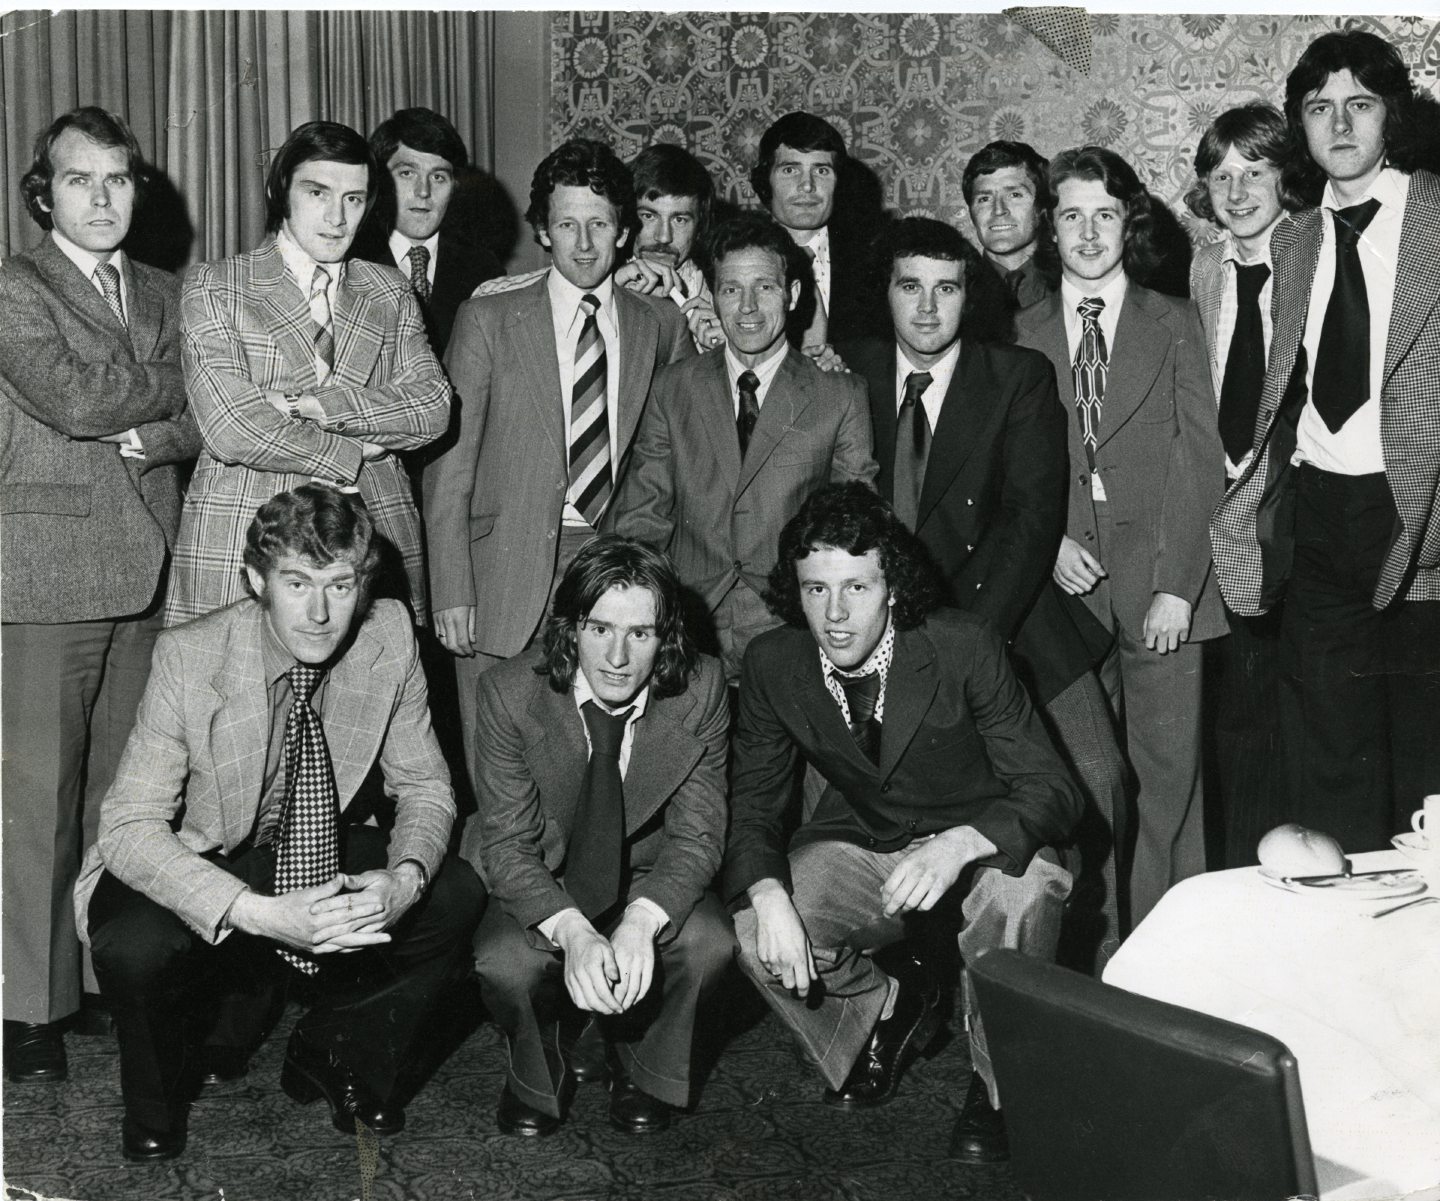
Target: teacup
1426,820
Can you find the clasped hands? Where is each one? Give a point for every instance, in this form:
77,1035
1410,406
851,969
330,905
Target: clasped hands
608,975
346,913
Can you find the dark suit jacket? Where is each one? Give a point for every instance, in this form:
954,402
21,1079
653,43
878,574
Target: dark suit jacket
84,530
531,756
961,746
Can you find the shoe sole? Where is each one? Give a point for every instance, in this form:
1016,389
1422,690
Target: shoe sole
980,1157
925,1032
152,1156
302,1088
39,1077
523,1131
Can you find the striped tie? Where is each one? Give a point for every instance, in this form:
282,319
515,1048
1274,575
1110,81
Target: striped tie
324,325
109,280
1091,365
589,425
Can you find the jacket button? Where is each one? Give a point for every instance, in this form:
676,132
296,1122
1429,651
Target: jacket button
1089,537
870,842
969,547
968,501
738,565
912,823
340,427
885,787
1083,480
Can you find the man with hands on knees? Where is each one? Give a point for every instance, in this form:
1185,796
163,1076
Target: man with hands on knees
232,853
600,780
942,791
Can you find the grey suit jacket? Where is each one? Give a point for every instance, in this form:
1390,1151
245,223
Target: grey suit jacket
1157,451
198,753
531,756
493,500
84,530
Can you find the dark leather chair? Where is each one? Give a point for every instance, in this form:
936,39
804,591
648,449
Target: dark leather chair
1110,1096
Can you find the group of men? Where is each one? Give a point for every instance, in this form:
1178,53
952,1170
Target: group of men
842,633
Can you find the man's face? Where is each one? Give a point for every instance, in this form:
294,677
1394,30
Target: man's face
1344,126
1245,194
846,602
92,192
1002,209
583,234
1090,233
802,187
617,644
309,607
423,184
751,300
327,204
926,296
667,228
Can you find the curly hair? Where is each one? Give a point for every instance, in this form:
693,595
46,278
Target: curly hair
582,163
99,126
984,316
318,523
316,141
1105,167
1257,132
852,518
606,562
800,131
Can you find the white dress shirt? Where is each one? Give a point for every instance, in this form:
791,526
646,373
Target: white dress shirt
940,376
765,373
569,316
400,247
1113,294
819,248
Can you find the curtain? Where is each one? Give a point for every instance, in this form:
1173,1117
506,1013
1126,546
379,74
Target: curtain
211,95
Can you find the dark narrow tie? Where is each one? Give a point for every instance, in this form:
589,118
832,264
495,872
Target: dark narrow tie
307,848
1342,363
1244,364
1013,281
589,424
597,836
749,412
324,323
912,447
861,694
110,288
1092,363
419,271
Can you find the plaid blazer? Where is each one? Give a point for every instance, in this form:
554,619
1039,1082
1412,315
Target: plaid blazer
1252,529
247,327
191,776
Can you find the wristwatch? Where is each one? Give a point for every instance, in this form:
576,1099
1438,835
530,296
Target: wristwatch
424,874
292,406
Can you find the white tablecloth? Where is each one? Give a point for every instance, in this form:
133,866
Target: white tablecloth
1357,1000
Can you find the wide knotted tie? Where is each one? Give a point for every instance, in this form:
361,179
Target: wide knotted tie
1342,363
420,271
109,280
589,425
1092,363
861,694
597,836
324,321
912,447
1244,364
749,412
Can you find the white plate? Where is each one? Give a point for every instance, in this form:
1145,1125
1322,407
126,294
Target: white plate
1414,846
1402,882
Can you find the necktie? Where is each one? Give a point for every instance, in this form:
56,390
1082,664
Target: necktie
912,448
324,325
1244,364
861,694
1342,364
749,412
1091,364
110,286
597,837
1013,280
308,844
589,426
419,267
819,332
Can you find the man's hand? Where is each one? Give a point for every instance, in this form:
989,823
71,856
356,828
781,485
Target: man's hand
1076,569
781,943
456,629
393,890
591,972
1167,623
705,327
319,920
647,278
825,357
634,945
930,869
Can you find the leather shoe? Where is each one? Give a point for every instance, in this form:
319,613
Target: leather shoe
586,1056
220,1065
310,1074
635,1111
980,1129
34,1053
140,1145
893,1043
513,1116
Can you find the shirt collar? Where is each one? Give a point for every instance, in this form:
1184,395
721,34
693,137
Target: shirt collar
764,372
944,367
879,659
1232,250
274,658
1390,188
565,296
400,247
1113,294
818,246
302,267
82,258
582,693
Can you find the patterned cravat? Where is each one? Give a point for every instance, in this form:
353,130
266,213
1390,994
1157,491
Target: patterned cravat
1342,363
1091,365
912,447
1244,364
597,836
419,271
109,280
308,843
749,412
324,323
589,425
861,694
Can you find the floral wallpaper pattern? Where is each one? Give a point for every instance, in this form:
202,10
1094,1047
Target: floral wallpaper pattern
916,95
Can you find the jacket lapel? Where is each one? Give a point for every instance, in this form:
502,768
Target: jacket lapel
533,325
144,313
878,368
357,340
639,338
663,754
973,394
358,698
814,706
79,292
1049,338
555,751
789,396
240,726
717,413
909,692
285,313
1141,344
1417,276
1209,287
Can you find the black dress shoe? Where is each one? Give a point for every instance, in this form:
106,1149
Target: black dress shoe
310,1074
34,1053
635,1111
893,1043
586,1056
980,1129
513,1116
220,1065
140,1144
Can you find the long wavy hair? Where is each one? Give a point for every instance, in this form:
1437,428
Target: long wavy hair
1105,167
1260,133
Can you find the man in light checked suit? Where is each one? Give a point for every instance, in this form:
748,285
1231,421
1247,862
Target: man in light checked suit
302,366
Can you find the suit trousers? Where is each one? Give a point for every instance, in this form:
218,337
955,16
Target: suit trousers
741,616
70,694
524,989
162,980
835,887
1360,688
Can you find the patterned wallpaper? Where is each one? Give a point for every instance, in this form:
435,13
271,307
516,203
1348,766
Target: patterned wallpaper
917,95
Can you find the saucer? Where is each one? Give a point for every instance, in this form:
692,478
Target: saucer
1415,846
1402,882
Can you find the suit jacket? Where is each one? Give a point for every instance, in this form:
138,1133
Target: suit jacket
960,746
1252,530
191,777
247,327
531,755
1158,454
85,532
690,495
494,499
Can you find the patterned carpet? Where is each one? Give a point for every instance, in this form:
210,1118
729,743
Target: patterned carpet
759,1132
